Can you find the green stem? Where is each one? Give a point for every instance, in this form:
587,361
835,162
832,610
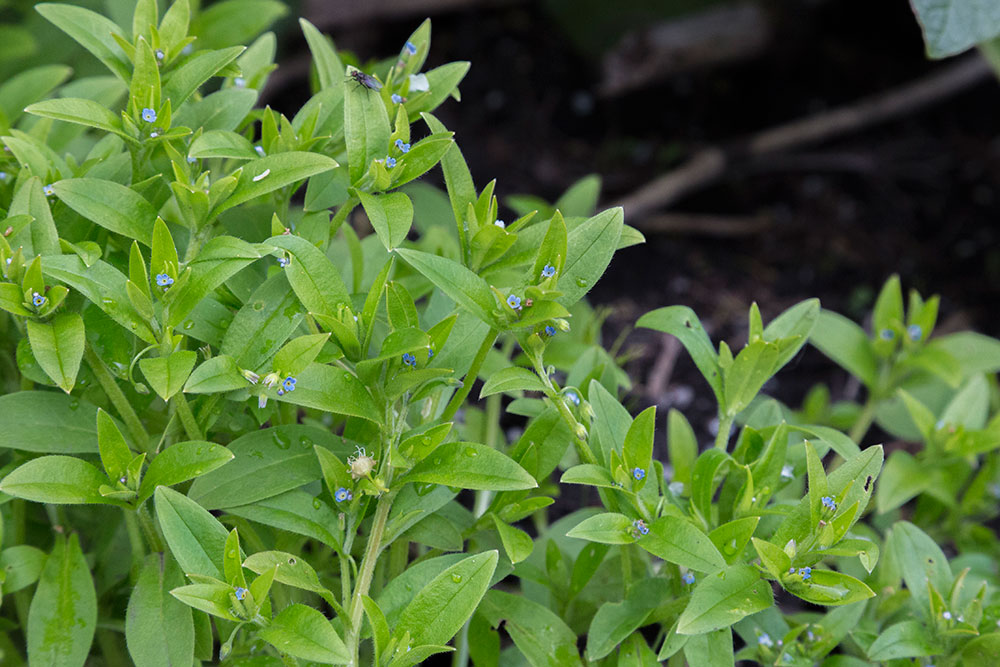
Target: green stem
365,575
863,422
341,215
117,397
134,539
722,437
187,418
470,378
149,529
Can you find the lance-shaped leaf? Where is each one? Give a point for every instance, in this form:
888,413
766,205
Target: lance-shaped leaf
58,347
63,613
110,205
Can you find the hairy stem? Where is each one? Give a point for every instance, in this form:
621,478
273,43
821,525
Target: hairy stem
187,418
372,550
117,398
470,378
722,437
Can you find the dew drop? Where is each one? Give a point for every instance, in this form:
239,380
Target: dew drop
305,442
457,578
258,305
281,441
317,503
470,452
189,325
580,282
426,440
437,460
291,560
74,403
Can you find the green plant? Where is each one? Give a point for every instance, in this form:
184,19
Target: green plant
238,426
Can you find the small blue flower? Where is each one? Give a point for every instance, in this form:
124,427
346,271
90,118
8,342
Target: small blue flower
548,271
240,592
284,261
430,353
914,332
163,280
638,473
289,384
550,330
688,578
260,150
390,162
765,640
192,160
149,115
239,82
409,359
499,223
640,527
787,472
829,503
251,377
396,99
946,615
571,395
404,148
342,494
791,570
160,55
887,334
514,301
48,190
806,573
37,300
411,48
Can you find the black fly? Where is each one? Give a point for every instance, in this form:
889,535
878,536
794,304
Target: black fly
366,80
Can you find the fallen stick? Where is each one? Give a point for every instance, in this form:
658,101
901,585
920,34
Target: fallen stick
710,164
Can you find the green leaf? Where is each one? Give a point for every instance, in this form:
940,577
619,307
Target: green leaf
159,629
952,26
79,111
224,144
615,621
606,528
48,422
391,215
587,473
92,31
462,285
329,69
292,570
443,606
366,127
235,21
266,463
266,320
195,71
273,172
313,276
110,205
846,344
167,375
469,465
752,367
333,390
58,347
907,639
457,178
773,557
63,613
115,453
682,322
920,561
677,540
902,479
212,598
711,649
541,635
218,374
302,632
298,353
294,511
196,538
638,448
28,86
721,599
22,565
58,480
180,462
516,542
589,249
511,379
827,587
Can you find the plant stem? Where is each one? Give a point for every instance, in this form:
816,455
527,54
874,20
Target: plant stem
365,575
149,529
863,422
134,539
187,418
722,437
341,215
117,397
470,378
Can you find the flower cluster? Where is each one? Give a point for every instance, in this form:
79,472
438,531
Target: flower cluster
806,572
829,503
342,495
640,527
403,147
409,359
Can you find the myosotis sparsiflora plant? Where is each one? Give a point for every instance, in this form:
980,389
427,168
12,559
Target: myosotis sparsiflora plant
237,424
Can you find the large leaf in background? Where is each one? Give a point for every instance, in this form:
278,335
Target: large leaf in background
589,248
273,172
952,26
195,537
366,128
721,599
469,465
93,32
303,632
216,262
58,347
540,635
57,480
159,628
333,390
443,606
63,613
48,422
110,205
267,462
683,323
313,276
847,344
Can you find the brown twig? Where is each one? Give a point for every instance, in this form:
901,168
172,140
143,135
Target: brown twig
705,225
710,164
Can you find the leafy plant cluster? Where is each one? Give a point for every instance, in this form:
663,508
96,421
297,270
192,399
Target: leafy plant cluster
237,429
